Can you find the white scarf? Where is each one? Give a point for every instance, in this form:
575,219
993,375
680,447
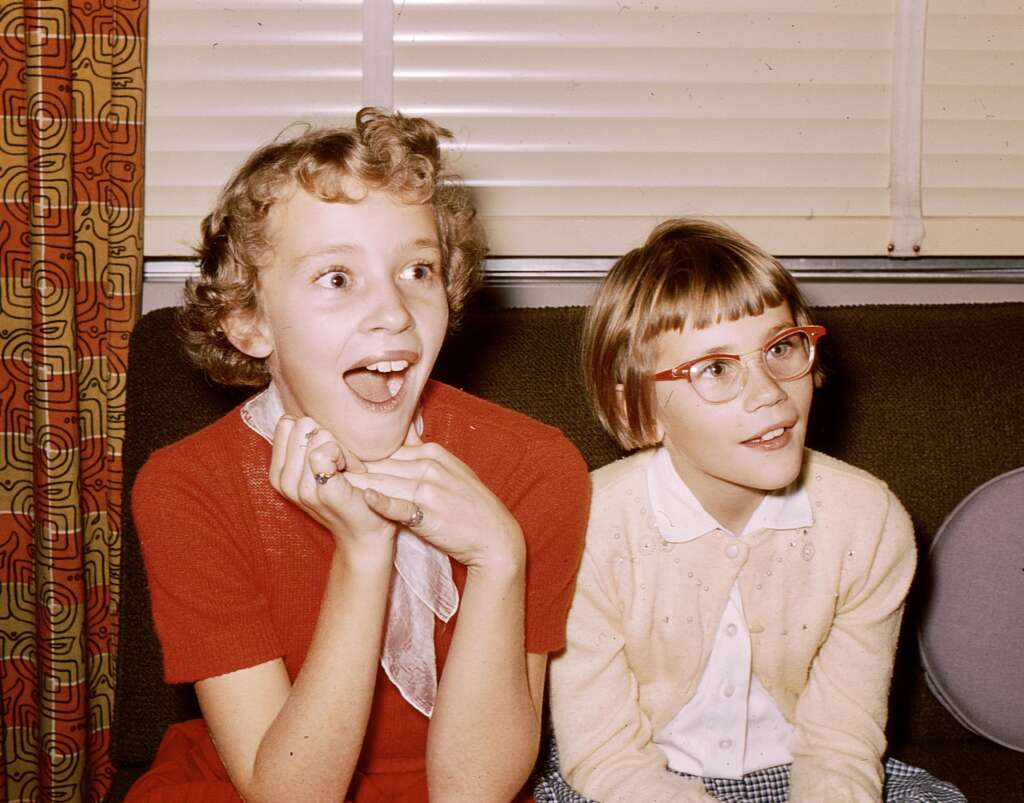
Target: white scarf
421,587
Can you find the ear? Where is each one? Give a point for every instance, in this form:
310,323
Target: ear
249,332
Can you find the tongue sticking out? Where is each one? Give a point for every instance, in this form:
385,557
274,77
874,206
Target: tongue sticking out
374,386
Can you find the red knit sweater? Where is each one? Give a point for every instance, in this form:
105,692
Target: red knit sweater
236,575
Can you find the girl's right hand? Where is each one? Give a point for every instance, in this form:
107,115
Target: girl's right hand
301,450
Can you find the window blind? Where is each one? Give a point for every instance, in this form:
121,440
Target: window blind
973,144
582,123
226,77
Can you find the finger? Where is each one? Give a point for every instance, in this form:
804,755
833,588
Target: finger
289,444
326,457
433,459
397,510
345,459
397,487
409,469
422,451
316,452
282,433
294,467
352,462
336,499
322,480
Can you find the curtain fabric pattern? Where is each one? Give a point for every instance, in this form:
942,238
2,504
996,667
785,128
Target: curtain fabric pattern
71,101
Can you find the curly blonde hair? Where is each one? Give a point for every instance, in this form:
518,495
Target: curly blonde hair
383,151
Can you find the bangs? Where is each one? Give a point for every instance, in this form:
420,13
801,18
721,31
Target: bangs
703,298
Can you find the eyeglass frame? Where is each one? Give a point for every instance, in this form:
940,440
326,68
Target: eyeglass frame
682,371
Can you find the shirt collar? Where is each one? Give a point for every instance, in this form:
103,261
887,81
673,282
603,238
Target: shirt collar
262,412
680,517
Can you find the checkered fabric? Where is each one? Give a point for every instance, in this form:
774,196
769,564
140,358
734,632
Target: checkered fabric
903,784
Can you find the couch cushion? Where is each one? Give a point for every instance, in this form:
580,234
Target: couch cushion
972,632
888,405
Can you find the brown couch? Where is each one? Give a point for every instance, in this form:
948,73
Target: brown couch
929,398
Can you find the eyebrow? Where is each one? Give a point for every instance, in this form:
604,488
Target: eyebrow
327,250
724,349
350,248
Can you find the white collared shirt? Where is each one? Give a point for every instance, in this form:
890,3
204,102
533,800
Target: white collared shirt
732,725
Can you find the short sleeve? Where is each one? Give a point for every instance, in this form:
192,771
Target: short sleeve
209,610
551,503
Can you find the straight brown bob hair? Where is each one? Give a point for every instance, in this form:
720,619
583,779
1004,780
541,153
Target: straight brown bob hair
689,271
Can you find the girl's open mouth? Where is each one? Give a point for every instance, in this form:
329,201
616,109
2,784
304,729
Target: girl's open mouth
379,382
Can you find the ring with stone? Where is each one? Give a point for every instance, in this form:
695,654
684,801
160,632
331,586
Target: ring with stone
321,479
416,519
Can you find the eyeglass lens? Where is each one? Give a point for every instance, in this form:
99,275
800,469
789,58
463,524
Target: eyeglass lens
720,379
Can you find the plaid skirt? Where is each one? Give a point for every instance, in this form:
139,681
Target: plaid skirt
903,784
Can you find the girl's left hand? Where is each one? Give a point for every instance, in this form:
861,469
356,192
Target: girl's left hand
461,517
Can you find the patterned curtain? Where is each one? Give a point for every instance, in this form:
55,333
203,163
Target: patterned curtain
71,88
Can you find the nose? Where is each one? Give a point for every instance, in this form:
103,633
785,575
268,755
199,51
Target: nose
762,389
386,308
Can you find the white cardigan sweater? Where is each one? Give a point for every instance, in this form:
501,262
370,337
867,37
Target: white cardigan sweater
823,606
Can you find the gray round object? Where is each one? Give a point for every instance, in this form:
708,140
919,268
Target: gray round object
972,634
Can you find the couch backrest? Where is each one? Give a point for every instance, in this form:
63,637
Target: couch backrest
928,398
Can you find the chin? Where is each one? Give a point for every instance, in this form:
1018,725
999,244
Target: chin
769,478
777,480
378,449
369,454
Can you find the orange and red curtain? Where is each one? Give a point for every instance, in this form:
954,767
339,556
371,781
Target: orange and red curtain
72,95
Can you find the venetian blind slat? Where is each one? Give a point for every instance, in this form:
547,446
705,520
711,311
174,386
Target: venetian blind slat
582,123
226,78
589,125
973,147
